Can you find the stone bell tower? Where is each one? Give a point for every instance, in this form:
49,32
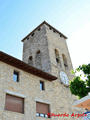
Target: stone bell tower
45,48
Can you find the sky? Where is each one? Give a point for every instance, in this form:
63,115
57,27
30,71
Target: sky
71,17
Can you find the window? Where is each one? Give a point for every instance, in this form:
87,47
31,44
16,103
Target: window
14,104
65,61
50,28
39,29
60,35
32,34
38,60
54,31
27,38
30,60
16,76
57,57
42,85
42,109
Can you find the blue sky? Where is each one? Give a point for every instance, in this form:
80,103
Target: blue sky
71,17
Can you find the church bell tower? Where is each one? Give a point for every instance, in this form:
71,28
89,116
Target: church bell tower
45,48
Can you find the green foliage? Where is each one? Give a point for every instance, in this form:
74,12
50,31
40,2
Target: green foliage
80,86
88,81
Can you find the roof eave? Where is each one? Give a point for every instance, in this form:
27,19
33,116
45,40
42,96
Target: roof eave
25,67
44,22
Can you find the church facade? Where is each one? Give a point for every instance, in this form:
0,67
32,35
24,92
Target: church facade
39,84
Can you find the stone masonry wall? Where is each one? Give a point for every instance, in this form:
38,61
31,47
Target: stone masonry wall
55,41
55,94
37,42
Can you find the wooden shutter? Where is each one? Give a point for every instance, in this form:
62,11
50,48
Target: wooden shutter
15,104
42,108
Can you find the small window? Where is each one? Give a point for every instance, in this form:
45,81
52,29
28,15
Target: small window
57,57
38,59
54,31
39,29
30,60
32,34
42,85
50,28
60,35
16,76
65,61
57,60
27,38
42,110
14,104
38,52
